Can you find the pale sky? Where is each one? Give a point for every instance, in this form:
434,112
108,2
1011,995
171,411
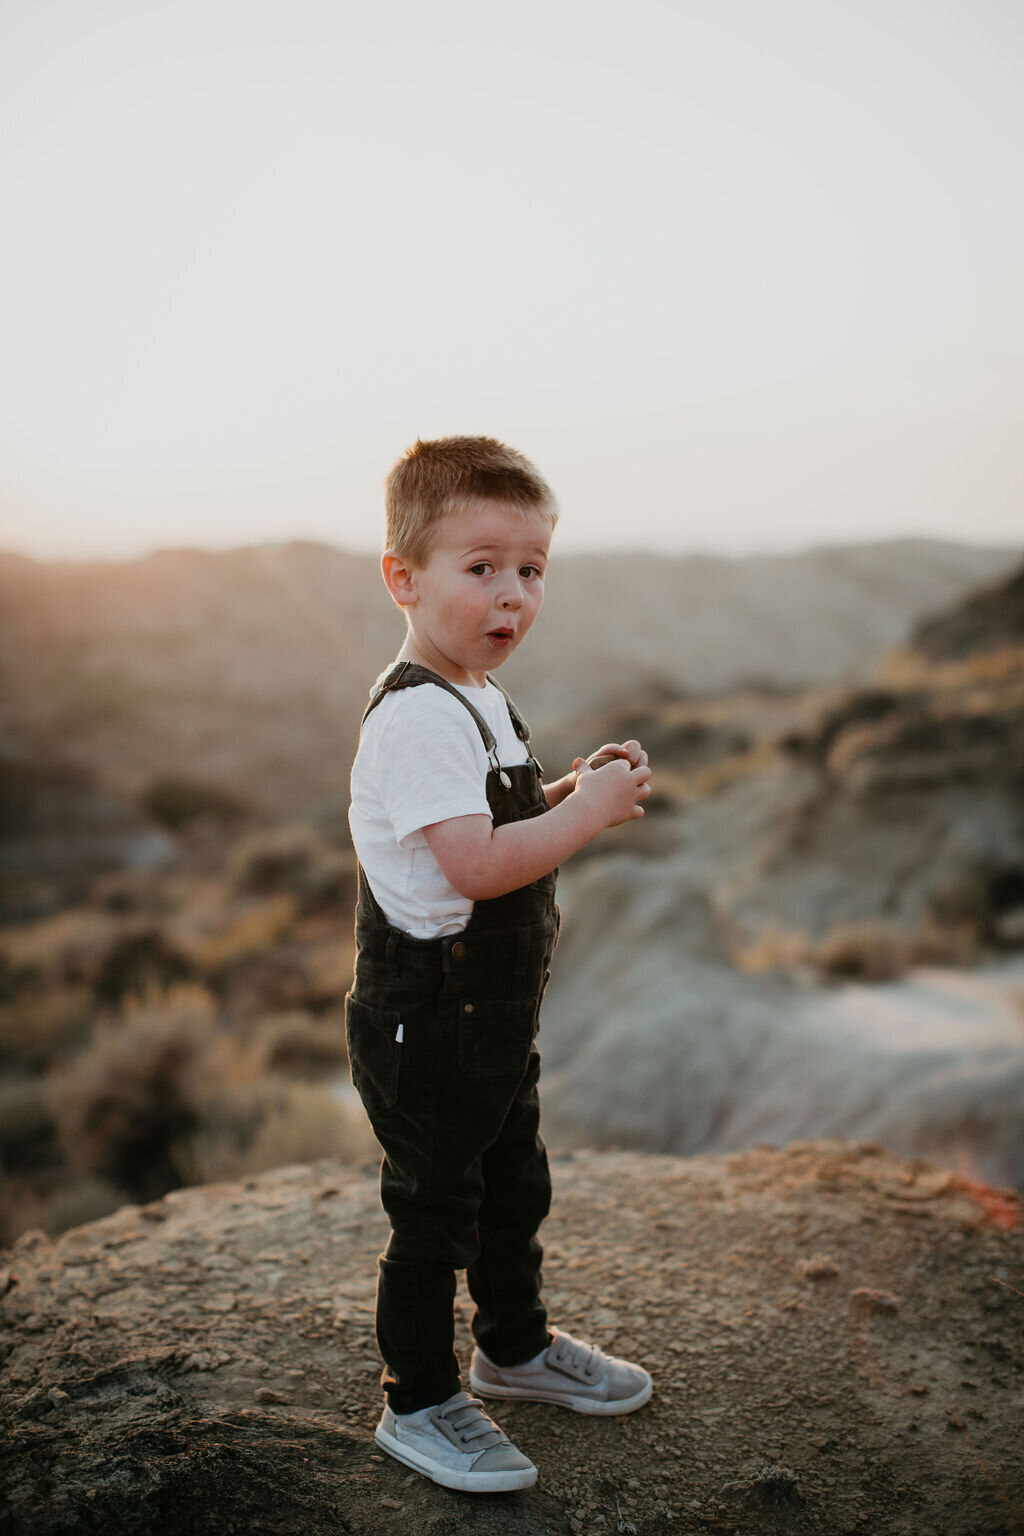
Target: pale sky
737,274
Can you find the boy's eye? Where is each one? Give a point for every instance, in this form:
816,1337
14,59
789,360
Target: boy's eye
526,571
480,569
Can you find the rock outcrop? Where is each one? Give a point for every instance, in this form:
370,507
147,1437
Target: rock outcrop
835,1335
879,837
987,620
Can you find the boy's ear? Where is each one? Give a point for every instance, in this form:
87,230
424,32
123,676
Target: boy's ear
399,577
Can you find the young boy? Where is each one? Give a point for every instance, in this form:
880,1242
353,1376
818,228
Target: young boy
458,842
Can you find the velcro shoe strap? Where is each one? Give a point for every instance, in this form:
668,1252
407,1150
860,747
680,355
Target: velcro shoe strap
581,1362
467,1426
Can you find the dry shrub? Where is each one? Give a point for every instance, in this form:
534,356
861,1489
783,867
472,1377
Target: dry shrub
310,1123
296,859
26,1123
865,951
39,1028
302,1046
328,963
871,952
163,1095
22,1206
239,935
273,1125
139,960
129,1098
273,858
177,803
906,668
87,1200
862,952
64,948
715,777
774,949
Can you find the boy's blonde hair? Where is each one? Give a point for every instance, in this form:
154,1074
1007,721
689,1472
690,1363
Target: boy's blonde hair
440,476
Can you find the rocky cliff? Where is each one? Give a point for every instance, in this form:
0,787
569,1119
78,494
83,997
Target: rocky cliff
835,1335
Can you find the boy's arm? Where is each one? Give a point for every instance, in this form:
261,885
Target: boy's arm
483,861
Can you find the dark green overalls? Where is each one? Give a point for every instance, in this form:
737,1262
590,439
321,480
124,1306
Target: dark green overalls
441,1046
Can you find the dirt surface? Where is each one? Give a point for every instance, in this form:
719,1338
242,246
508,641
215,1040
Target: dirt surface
836,1336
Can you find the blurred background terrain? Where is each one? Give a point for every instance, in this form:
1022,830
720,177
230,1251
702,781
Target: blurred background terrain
818,929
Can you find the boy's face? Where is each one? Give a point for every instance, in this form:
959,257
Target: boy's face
473,600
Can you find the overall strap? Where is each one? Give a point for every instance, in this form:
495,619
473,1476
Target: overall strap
409,674
519,725
522,730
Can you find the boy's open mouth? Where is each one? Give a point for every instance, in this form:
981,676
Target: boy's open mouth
500,636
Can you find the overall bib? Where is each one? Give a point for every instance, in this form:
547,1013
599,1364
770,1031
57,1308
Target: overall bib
441,1047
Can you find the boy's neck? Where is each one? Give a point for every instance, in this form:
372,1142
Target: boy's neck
441,665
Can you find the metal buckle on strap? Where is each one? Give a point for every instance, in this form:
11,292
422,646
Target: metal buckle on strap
390,682
503,778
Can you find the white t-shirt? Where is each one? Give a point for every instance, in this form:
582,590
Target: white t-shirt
421,759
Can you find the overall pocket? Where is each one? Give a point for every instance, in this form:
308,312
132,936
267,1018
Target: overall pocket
494,1039
374,1053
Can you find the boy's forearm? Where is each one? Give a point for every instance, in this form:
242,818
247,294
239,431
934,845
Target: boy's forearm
556,791
523,851
483,861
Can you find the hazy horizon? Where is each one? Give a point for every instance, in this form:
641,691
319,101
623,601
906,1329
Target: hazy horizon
626,551
740,279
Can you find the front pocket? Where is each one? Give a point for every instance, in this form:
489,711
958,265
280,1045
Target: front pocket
494,1039
374,1053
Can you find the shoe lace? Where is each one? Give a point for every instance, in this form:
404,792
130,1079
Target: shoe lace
468,1422
577,1355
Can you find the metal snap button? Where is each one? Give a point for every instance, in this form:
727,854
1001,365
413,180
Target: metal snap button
467,1007
458,950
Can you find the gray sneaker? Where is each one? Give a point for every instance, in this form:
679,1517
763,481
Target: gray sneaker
457,1445
569,1373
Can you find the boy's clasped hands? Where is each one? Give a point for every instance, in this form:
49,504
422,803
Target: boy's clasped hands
617,778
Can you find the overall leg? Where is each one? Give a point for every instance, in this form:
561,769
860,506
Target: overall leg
446,1126
510,1323
433,1233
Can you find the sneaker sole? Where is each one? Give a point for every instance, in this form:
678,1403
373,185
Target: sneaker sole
448,1477
564,1399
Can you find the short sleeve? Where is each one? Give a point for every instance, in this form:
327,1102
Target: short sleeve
431,763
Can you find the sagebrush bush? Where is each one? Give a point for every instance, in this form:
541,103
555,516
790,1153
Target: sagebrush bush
302,1046
294,858
307,1124
177,803
87,1200
272,1123
165,1095
872,952
137,961
241,934
26,1123
60,950
273,858
136,1091
41,1027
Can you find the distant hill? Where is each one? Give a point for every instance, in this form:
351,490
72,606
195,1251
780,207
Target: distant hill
247,669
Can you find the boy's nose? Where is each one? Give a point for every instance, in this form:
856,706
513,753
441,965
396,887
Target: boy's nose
512,596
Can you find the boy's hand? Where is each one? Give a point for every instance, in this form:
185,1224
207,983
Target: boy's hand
616,790
631,751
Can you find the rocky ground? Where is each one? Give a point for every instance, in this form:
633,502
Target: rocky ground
836,1335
